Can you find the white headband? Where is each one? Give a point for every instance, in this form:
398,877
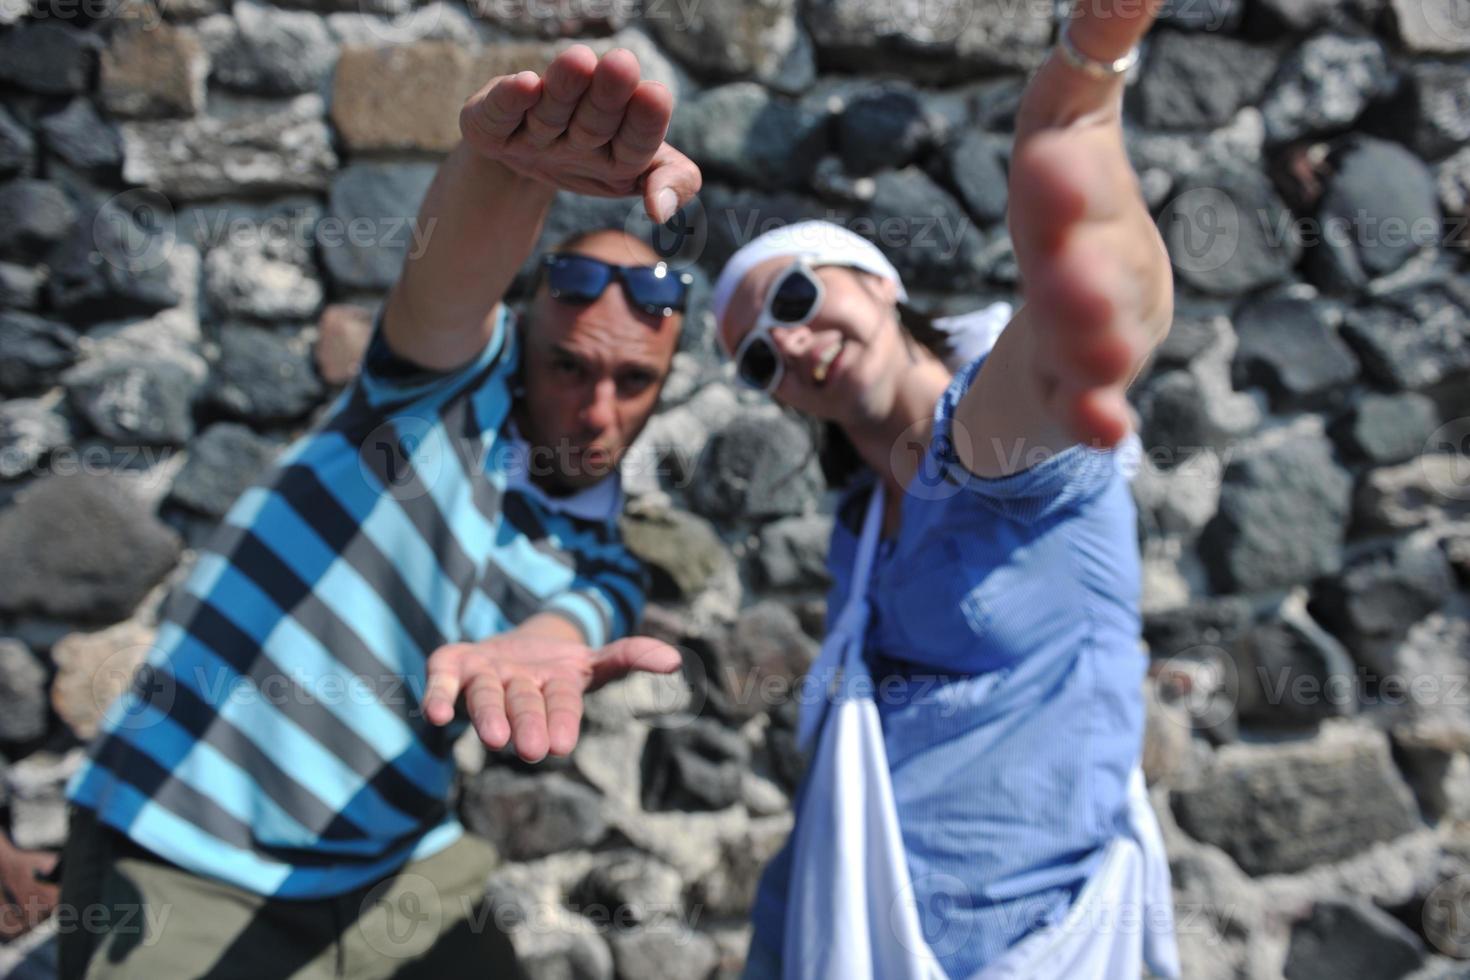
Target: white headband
821,241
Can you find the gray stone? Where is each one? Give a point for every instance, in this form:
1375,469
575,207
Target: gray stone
740,132
384,197
1427,490
696,766
135,401
264,50
729,888
1187,410
244,150
670,952
1272,18
223,461
1196,328
1351,940
23,705
528,817
1199,81
77,547
20,286
1300,672
29,430
82,138
34,216
38,805
760,466
629,889
263,375
1380,595
736,216
884,128
1428,111
570,18
948,40
1411,339
765,42
977,166
114,265
1290,346
1228,231
154,72
1202,15
33,351
1452,178
257,279
1283,513
1220,623
793,552
765,659
1324,86
1380,208
1432,26
926,233
17,147
49,57
1277,808
1386,429
683,553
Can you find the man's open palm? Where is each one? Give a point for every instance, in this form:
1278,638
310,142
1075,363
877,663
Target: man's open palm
528,689
589,126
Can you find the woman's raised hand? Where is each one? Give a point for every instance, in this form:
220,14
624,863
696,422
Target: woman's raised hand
1097,282
587,125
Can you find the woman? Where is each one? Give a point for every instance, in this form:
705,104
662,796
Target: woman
997,594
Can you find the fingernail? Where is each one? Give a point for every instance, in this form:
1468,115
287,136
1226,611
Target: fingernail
665,204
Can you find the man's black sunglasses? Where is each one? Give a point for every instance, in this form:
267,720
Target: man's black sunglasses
654,289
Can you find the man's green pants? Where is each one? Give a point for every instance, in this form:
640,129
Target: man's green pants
126,913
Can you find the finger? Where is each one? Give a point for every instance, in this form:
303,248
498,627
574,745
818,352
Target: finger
635,653
1108,29
1061,93
563,714
445,667
670,184
600,113
484,699
526,707
1100,417
644,126
565,82
496,111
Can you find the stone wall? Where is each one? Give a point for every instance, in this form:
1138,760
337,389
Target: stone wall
201,203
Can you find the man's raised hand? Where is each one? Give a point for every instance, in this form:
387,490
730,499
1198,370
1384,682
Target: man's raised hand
589,126
527,689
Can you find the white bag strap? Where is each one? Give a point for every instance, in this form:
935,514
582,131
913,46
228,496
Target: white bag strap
843,646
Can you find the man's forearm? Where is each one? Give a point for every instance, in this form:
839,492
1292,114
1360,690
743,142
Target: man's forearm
479,222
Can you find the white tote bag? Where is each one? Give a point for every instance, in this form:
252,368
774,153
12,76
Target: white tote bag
851,909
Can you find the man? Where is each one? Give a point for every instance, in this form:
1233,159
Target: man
270,797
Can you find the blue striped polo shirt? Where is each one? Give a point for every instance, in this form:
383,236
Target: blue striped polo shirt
274,738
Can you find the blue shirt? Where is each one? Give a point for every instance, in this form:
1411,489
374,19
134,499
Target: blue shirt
1004,645
275,739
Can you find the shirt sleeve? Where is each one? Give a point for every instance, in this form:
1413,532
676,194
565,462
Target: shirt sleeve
605,600
389,380
1044,486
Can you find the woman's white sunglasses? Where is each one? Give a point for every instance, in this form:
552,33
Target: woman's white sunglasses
793,299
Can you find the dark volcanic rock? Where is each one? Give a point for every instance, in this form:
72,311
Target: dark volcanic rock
1278,808
529,817
34,217
48,57
1198,81
758,466
882,129
1228,231
264,376
1352,940
1283,513
1386,429
135,400
33,351
223,461
79,547
1380,208
1291,347
741,132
